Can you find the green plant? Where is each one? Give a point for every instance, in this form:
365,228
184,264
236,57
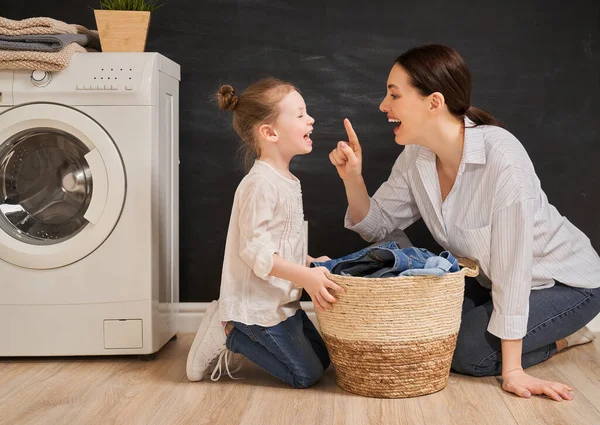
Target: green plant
139,5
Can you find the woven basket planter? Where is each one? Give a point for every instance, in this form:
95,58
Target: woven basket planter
395,337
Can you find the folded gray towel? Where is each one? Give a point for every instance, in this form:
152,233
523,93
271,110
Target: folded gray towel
47,42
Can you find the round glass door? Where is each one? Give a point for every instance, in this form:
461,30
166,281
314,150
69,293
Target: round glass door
62,185
45,186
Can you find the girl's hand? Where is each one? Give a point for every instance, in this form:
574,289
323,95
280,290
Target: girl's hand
347,156
315,283
518,382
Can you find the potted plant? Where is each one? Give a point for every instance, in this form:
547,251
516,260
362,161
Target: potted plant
123,24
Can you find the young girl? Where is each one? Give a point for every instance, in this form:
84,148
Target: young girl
265,266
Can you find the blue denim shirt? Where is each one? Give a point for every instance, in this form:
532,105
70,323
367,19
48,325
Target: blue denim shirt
389,260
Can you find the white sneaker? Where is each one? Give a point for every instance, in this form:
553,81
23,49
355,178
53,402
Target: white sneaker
208,344
228,358
582,336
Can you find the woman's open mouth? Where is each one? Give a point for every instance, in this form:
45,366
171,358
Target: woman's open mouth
398,126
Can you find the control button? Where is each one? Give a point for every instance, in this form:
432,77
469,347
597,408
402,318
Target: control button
40,78
93,87
107,87
86,86
79,87
128,87
114,87
38,75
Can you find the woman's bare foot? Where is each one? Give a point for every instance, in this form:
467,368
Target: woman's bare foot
582,336
561,345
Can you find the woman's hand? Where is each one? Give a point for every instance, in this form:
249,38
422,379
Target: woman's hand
516,381
315,282
347,156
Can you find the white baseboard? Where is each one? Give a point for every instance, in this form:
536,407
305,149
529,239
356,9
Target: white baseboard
190,316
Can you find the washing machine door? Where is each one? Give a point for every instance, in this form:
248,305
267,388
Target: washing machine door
62,185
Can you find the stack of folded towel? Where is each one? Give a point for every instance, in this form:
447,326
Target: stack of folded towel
42,43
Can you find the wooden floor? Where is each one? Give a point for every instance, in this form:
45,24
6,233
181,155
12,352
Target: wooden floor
125,390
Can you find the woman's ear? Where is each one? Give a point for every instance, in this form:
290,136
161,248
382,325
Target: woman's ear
268,133
436,101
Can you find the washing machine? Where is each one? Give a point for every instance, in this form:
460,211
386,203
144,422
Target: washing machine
89,204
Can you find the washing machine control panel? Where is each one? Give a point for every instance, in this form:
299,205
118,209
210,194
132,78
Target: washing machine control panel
96,79
110,78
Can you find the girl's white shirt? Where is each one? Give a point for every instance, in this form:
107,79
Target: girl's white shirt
266,218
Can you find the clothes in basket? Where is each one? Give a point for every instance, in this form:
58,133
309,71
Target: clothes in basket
389,260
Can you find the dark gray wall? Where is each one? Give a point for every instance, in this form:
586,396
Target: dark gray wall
535,65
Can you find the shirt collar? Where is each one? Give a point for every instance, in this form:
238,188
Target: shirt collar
474,147
260,163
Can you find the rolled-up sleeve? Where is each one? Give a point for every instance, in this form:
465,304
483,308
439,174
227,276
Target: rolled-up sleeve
392,206
257,205
511,262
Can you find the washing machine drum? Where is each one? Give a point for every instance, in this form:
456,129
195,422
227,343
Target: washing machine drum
46,186
56,167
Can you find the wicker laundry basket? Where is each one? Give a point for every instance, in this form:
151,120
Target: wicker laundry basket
395,337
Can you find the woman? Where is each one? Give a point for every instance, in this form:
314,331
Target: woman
475,187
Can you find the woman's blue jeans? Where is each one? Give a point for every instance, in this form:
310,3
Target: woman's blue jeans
292,351
554,313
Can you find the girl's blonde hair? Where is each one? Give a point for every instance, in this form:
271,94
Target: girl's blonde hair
257,105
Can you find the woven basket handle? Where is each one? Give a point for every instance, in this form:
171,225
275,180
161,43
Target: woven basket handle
470,267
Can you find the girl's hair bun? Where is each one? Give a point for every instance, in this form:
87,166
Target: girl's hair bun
227,98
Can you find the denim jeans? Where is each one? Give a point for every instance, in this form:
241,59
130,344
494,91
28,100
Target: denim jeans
389,260
292,351
554,313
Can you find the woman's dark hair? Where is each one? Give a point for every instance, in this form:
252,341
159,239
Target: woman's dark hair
438,68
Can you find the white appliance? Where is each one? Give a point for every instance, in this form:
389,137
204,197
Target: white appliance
89,206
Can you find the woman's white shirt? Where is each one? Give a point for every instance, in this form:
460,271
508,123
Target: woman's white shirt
496,213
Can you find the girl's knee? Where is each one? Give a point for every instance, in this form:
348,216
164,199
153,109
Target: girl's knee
308,377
